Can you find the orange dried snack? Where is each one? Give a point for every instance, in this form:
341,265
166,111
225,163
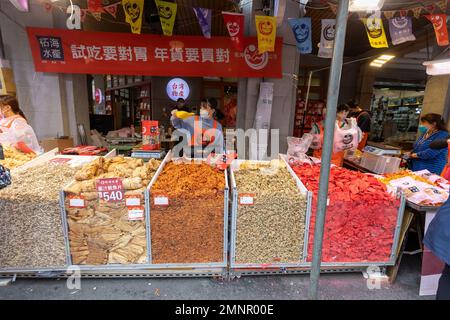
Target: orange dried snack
190,228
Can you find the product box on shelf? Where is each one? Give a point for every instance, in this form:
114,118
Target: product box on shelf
270,215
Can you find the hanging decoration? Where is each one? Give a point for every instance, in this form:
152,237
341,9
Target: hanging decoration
430,8
83,13
327,38
266,29
97,15
375,31
333,7
443,5
389,14
204,20
74,19
133,14
112,9
400,29
302,33
235,26
439,22
416,12
167,12
95,6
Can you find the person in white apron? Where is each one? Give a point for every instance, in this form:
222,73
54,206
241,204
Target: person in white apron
14,128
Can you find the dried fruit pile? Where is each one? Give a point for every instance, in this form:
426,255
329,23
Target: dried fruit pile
190,228
101,233
15,158
405,173
30,218
361,216
272,229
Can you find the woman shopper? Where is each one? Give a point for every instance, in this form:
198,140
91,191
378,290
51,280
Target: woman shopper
423,157
14,128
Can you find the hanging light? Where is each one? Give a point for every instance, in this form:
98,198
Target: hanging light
438,67
21,5
381,60
365,5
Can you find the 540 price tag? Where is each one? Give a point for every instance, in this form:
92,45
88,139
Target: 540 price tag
110,189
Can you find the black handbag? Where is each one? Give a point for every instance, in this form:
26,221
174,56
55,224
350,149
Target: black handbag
5,177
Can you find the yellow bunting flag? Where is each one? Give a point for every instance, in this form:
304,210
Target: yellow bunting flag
375,32
133,14
167,12
266,28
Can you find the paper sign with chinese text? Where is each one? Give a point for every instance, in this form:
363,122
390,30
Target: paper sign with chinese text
136,213
110,189
73,51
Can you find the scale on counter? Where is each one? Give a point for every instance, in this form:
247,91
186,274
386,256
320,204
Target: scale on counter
382,150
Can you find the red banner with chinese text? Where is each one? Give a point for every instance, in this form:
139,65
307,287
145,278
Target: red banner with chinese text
72,51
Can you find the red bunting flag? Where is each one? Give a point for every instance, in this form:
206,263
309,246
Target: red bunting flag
112,9
440,28
97,15
95,6
235,26
443,5
430,8
416,12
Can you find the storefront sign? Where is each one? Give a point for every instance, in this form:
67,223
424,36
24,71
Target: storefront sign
110,189
177,88
72,51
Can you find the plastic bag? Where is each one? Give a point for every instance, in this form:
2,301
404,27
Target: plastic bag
346,138
297,147
316,143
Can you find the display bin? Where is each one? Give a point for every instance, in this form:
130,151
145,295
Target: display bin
48,157
105,239
380,164
359,234
280,203
186,207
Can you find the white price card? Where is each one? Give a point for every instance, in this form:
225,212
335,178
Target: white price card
77,202
136,213
247,199
132,201
161,201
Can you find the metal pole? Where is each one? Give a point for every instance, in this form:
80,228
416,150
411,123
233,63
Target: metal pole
330,119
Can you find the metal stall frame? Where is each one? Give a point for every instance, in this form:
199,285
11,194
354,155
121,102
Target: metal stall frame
239,268
54,270
219,268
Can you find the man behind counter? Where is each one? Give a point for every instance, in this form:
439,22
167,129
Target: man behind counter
363,119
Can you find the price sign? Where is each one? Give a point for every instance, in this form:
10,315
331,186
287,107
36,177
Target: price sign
133,200
136,213
110,189
77,202
161,200
247,199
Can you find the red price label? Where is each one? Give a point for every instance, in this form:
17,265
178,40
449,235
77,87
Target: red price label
110,189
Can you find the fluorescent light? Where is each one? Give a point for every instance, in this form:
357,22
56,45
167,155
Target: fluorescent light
378,65
438,67
386,57
365,5
379,61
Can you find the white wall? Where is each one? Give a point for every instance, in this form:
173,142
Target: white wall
38,93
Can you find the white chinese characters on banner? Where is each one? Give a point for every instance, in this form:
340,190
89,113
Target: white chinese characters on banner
190,55
109,53
177,88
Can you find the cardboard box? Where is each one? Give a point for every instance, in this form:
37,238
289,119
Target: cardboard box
61,144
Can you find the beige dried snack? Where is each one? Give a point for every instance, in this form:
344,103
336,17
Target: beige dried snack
132,183
73,188
272,229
